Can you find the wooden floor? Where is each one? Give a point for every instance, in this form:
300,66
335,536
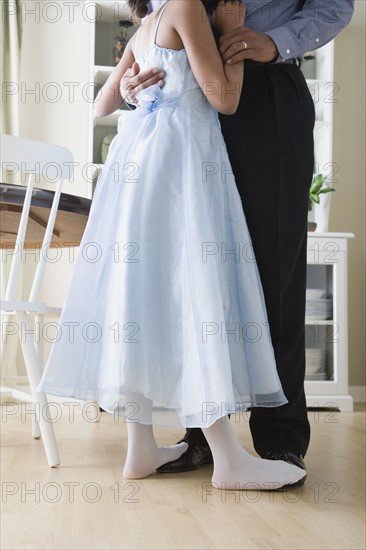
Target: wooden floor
85,503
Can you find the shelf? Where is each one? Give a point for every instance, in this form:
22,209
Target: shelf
101,74
319,321
106,32
328,235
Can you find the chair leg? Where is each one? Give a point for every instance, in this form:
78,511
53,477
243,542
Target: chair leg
36,432
40,399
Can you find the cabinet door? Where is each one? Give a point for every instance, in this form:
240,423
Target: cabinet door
320,327
326,332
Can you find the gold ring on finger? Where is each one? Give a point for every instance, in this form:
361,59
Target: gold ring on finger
245,45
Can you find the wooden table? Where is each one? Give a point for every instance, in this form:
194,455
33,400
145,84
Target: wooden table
70,222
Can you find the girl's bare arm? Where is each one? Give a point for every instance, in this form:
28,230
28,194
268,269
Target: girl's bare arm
222,84
109,97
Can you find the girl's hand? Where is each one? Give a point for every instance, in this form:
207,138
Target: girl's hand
228,16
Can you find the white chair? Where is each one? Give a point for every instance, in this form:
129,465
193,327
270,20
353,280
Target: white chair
33,159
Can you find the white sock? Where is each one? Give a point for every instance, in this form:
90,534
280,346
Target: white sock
143,454
236,469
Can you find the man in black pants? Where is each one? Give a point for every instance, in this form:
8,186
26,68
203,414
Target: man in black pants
270,145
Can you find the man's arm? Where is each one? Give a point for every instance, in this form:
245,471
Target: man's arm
312,27
316,25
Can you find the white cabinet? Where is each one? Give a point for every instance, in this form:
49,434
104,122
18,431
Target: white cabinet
326,330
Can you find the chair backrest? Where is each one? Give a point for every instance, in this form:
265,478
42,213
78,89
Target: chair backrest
32,159
26,156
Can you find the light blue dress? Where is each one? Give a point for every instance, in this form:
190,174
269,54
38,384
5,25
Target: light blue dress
165,297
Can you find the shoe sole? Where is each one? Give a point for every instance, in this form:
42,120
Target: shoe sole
161,470
291,486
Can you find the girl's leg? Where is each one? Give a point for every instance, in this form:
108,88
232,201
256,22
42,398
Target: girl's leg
234,468
143,454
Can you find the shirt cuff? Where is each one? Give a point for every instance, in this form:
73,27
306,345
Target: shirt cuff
284,42
288,48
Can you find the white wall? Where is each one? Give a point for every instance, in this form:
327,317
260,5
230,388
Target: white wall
348,202
54,62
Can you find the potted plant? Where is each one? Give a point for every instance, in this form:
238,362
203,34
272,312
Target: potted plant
317,189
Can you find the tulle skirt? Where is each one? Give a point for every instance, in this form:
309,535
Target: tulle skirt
165,297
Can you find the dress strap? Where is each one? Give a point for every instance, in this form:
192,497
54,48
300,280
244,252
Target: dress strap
159,19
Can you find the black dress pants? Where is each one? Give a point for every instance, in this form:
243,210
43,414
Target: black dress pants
271,150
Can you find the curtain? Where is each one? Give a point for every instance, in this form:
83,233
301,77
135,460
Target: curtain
10,44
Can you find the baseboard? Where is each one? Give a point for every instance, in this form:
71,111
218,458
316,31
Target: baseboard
358,393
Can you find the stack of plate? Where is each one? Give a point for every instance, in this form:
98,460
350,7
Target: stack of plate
315,364
317,306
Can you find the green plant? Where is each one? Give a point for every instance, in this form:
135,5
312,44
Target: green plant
317,189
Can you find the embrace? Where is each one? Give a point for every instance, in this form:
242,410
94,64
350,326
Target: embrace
220,113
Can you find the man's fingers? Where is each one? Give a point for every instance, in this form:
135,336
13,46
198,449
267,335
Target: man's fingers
156,79
132,89
133,81
241,56
147,83
227,38
237,49
237,35
151,75
142,84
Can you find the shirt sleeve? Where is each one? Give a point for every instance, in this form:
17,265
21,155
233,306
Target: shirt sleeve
312,27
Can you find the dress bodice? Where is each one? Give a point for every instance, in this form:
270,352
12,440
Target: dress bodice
179,76
181,87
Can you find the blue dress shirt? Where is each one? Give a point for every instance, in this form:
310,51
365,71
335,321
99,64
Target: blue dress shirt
296,26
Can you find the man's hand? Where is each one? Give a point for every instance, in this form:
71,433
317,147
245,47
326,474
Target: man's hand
244,43
133,82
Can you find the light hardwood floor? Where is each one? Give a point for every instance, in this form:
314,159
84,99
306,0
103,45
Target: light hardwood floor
86,504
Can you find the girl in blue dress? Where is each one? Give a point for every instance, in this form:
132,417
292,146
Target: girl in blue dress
165,302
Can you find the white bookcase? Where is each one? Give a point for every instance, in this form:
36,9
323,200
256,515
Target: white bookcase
326,330
326,381
319,73
104,16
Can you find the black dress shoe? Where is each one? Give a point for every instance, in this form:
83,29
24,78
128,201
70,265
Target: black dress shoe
291,458
195,457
